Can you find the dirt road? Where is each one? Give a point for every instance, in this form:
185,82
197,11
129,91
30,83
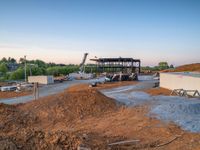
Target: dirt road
59,87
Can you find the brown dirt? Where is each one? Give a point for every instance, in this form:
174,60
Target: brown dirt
4,84
100,86
186,68
83,116
158,91
107,85
13,94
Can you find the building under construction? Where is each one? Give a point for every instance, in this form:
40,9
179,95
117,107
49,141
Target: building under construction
112,65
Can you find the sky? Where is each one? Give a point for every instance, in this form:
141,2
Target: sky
62,31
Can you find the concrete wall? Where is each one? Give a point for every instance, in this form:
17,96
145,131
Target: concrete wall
177,81
41,79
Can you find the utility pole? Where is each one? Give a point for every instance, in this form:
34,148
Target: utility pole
25,68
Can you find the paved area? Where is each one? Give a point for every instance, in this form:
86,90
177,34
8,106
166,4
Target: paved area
48,90
146,82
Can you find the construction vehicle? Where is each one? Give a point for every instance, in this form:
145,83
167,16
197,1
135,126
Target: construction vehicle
81,74
120,77
83,63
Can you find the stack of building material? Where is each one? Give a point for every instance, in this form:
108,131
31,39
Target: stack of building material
41,79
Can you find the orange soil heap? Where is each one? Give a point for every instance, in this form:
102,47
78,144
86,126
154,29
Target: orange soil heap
158,91
83,116
13,94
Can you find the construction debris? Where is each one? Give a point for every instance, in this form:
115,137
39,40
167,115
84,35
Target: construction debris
187,93
163,144
123,142
120,77
8,88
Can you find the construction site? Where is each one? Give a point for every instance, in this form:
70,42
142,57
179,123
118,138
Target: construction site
116,108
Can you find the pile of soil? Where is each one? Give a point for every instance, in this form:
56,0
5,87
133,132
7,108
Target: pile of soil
48,122
158,91
106,85
12,94
70,106
82,117
185,68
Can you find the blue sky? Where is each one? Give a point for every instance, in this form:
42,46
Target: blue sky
62,30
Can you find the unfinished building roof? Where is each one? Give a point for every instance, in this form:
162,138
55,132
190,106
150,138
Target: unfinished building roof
124,65
116,59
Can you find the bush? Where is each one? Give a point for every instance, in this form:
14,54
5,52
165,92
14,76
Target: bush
3,68
58,70
16,75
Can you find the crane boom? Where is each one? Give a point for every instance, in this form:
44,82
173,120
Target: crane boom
83,62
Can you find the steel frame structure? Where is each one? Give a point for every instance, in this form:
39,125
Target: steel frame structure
124,65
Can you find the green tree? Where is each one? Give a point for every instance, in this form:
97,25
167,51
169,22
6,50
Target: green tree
21,60
16,75
163,65
12,60
3,68
4,60
59,70
52,71
40,63
35,70
171,66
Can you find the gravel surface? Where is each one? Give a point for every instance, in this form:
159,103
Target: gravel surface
182,111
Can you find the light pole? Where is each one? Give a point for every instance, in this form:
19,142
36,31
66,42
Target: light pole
25,68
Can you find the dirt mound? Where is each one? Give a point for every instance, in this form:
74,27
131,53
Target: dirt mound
107,85
48,123
13,118
13,94
38,139
158,91
70,106
185,68
83,117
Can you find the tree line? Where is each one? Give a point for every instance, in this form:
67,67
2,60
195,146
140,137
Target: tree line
159,67
10,69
